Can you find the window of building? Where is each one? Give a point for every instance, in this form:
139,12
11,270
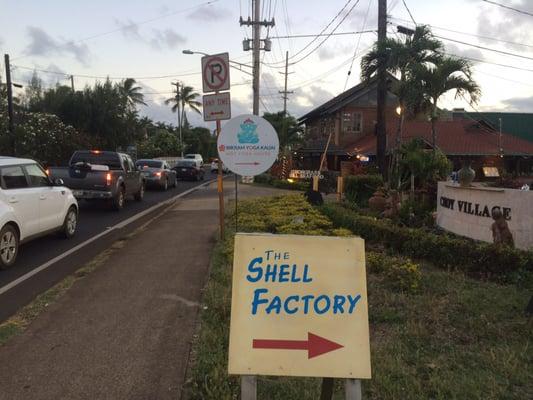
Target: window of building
352,122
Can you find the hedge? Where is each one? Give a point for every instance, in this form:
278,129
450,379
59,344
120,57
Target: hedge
268,179
498,263
359,188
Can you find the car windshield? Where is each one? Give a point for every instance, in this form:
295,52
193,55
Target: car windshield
149,164
96,158
186,164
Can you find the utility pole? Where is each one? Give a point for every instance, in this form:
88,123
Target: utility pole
256,47
9,87
381,128
72,83
285,92
178,102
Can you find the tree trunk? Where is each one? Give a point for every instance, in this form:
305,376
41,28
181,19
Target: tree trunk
433,130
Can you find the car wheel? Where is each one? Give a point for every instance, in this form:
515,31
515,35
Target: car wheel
165,185
118,201
140,194
175,184
9,246
71,223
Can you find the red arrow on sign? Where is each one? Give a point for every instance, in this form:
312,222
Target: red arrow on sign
315,345
247,163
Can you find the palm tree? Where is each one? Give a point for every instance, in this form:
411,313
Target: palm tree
185,97
401,59
449,73
132,94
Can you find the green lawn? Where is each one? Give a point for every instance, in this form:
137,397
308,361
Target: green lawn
453,338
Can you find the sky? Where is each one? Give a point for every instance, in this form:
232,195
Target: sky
144,40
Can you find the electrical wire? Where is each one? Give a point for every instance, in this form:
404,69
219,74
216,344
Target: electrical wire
409,11
357,46
321,32
466,33
509,8
207,3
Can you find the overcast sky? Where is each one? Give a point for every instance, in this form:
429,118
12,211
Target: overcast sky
144,39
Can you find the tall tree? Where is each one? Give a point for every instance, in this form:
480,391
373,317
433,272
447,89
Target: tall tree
132,94
448,74
287,128
185,98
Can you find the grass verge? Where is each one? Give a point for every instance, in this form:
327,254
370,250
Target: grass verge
452,338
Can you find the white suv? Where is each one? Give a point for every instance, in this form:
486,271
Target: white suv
196,157
30,206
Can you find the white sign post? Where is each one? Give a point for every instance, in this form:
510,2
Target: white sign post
217,106
215,73
248,145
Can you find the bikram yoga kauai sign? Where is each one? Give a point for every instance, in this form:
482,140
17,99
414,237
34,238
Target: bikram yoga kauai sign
468,212
299,307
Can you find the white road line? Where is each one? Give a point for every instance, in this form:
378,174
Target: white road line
120,225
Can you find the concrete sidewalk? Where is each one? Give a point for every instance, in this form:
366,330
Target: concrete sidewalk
124,331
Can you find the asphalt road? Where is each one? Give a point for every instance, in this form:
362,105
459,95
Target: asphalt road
93,219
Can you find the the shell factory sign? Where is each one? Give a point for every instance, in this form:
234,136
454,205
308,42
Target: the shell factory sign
299,307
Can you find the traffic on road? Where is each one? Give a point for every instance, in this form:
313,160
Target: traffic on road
45,214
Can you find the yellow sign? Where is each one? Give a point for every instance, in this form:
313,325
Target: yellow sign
299,307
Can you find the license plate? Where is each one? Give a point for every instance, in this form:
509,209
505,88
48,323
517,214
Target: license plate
184,169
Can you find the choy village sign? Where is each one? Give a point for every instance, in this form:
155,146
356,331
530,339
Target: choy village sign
299,307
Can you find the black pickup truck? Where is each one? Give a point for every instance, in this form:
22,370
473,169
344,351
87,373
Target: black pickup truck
101,175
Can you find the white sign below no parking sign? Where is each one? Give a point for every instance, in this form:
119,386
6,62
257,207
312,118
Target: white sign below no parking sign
248,145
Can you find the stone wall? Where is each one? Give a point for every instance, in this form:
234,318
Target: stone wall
468,212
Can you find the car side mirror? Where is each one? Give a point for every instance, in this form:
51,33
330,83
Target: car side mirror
59,182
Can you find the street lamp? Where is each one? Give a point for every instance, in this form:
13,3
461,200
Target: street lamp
187,51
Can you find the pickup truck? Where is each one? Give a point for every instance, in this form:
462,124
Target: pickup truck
101,175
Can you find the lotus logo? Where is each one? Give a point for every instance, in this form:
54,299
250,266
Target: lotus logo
221,147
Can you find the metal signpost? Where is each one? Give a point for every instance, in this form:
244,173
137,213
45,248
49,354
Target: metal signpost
215,78
300,308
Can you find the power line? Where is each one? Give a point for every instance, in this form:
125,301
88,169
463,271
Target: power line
140,78
484,48
509,8
325,34
467,33
317,36
207,3
409,11
357,46
490,62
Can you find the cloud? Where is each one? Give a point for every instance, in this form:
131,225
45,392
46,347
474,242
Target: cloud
158,39
210,13
506,25
129,29
518,104
308,98
166,38
465,52
42,44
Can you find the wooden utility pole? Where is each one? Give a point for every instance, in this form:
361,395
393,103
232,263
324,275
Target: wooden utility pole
381,128
284,92
180,122
9,87
256,24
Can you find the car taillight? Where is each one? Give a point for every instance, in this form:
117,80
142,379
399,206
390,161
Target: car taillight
47,172
108,179
158,173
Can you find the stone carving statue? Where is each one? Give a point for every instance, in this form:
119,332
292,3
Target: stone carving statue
501,233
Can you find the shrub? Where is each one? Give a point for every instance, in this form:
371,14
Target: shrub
499,263
359,188
401,273
267,179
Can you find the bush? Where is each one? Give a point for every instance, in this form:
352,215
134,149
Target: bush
498,263
267,179
416,213
401,273
359,188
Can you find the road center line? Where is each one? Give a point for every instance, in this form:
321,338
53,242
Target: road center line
120,225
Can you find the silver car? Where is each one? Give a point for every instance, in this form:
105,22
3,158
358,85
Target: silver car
157,173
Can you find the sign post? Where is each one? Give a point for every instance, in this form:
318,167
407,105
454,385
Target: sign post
299,308
215,78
